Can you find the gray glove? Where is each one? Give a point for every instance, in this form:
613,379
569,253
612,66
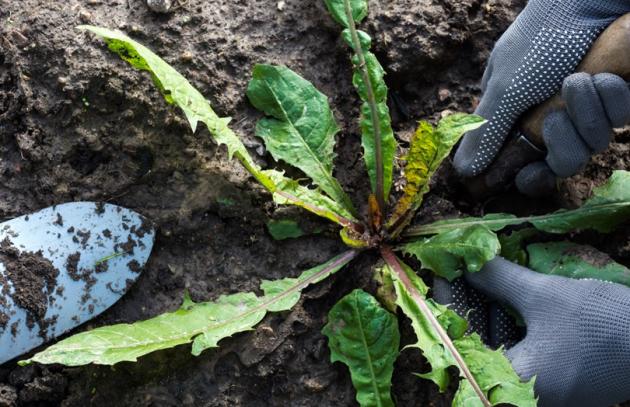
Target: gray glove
528,65
578,333
595,106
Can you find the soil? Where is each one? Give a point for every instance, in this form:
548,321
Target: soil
76,123
33,278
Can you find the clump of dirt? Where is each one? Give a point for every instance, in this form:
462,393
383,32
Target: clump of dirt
32,277
76,123
589,255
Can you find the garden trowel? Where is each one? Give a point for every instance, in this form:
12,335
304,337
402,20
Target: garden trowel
610,53
64,265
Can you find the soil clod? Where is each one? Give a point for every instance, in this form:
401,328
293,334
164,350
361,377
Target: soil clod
32,277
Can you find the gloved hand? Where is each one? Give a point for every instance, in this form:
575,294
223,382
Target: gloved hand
527,66
578,333
595,105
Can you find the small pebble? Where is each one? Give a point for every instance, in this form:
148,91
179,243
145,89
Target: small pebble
444,94
85,16
19,39
160,6
281,5
186,56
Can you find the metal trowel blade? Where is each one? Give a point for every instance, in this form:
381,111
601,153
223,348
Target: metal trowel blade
64,265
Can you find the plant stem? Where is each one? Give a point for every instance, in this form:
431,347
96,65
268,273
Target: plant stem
371,101
391,259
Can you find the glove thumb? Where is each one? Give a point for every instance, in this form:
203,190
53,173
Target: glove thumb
507,283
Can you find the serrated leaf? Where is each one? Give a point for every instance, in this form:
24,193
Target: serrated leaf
337,9
448,254
364,336
301,128
203,324
495,376
576,261
429,147
427,339
375,121
175,89
608,207
289,191
491,370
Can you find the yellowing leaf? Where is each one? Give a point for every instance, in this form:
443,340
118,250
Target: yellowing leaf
289,191
429,147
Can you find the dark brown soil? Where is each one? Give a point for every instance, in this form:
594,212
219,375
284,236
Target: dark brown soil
33,278
76,123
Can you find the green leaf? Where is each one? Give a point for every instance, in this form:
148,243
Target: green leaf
490,369
364,336
385,292
576,261
289,191
608,207
429,147
447,254
203,324
512,245
379,144
177,90
427,339
282,229
495,376
375,121
301,128
337,9
388,144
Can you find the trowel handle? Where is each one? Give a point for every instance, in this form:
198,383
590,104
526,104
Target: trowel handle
610,53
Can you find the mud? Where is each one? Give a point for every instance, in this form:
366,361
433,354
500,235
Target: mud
33,277
76,123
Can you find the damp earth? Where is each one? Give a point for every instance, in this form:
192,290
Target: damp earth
76,123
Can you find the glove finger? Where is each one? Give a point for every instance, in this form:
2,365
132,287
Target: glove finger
587,111
465,301
567,153
502,328
507,283
487,74
479,147
536,179
521,359
615,96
